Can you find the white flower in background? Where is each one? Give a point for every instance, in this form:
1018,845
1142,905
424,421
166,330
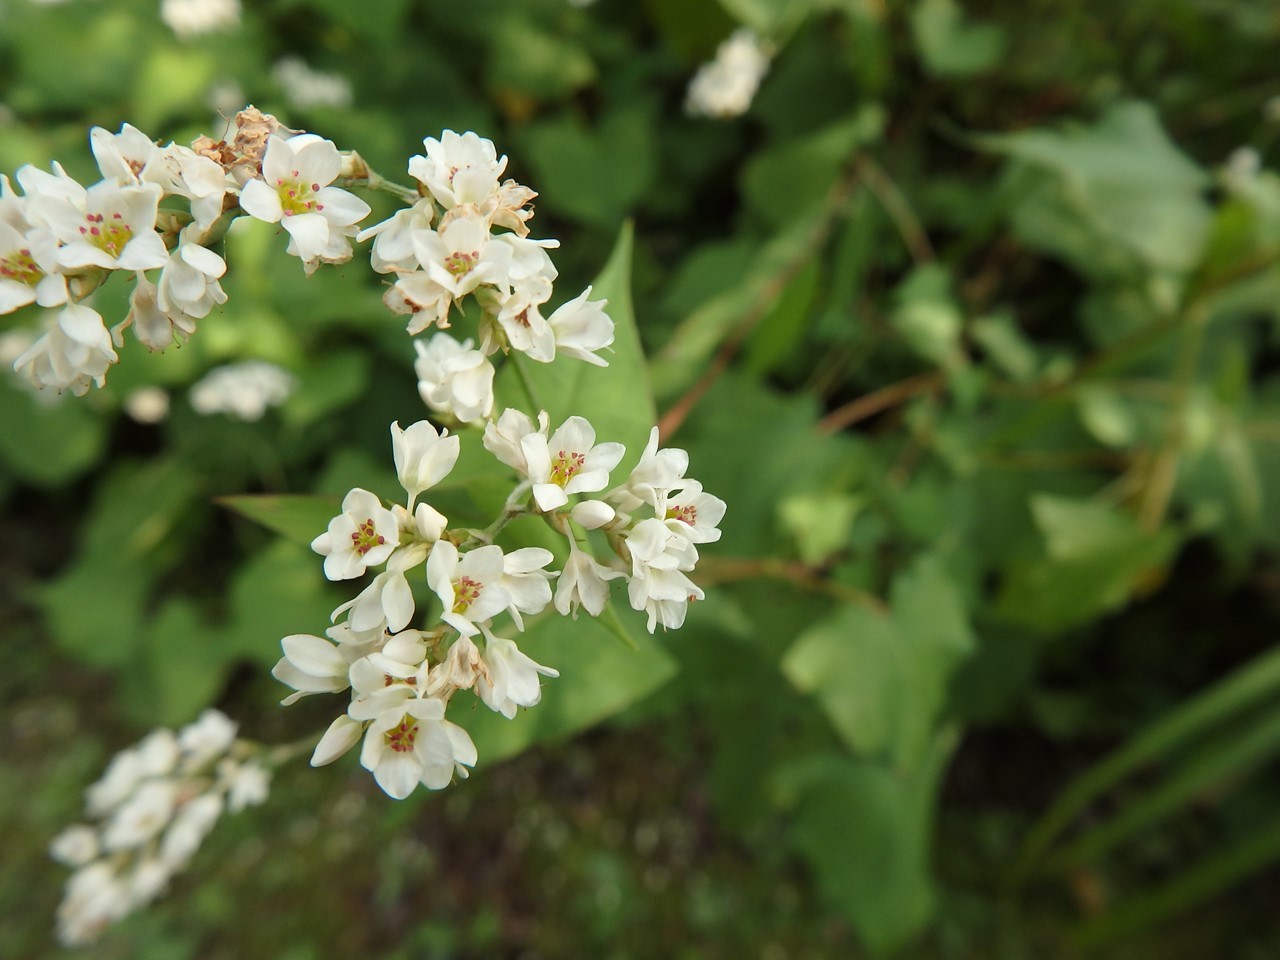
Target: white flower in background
583,582
147,405
694,513
74,351
242,390
1242,168
453,378
656,474
191,18
458,168
153,806
363,535
413,744
306,88
726,86
469,587
512,677
568,462
423,456
463,254
294,191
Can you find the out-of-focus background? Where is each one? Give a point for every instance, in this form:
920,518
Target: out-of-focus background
971,318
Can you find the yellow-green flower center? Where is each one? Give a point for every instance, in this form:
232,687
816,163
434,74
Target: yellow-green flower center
297,197
565,465
366,537
466,592
108,234
400,737
461,263
686,514
21,267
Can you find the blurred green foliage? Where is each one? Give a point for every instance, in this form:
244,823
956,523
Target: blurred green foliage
970,320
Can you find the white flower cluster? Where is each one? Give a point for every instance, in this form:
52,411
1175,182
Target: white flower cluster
726,86
465,234
469,235
192,18
402,679
60,240
148,815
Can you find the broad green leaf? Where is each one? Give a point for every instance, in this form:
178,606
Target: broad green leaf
616,399
49,440
926,315
299,517
866,832
1120,185
950,45
180,667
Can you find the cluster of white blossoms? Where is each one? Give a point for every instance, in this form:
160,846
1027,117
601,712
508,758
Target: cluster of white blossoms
192,18
463,233
148,815
402,678
726,86
468,235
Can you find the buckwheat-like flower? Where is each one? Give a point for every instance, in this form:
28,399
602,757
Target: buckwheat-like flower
74,351
469,586
652,478
108,225
503,437
526,581
694,513
362,536
583,582
242,390
658,585
423,456
581,328
462,254
453,378
413,744
512,677
29,268
570,461
726,86
458,168
294,191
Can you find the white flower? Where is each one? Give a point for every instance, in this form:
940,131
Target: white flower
414,744
503,437
470,587
189,287
658,584
124,156
73,352
653,478
569,462
458,671
108,225
583,583
462,254
150,324
247,783
592,514
95,897
202,180
242,390
695,514
524,578
75,846
425,301
522,321
190,826
295,192
726,86
363,535
393,238
191,18
306,88
453,378
341,736
147,405
314,665
512,677
382,682
581,327
142,816
211,735
423,456
458,168
29,268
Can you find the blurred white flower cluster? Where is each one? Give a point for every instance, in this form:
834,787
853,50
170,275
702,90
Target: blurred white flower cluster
402,678
242,390
191,18
726,86
148,815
